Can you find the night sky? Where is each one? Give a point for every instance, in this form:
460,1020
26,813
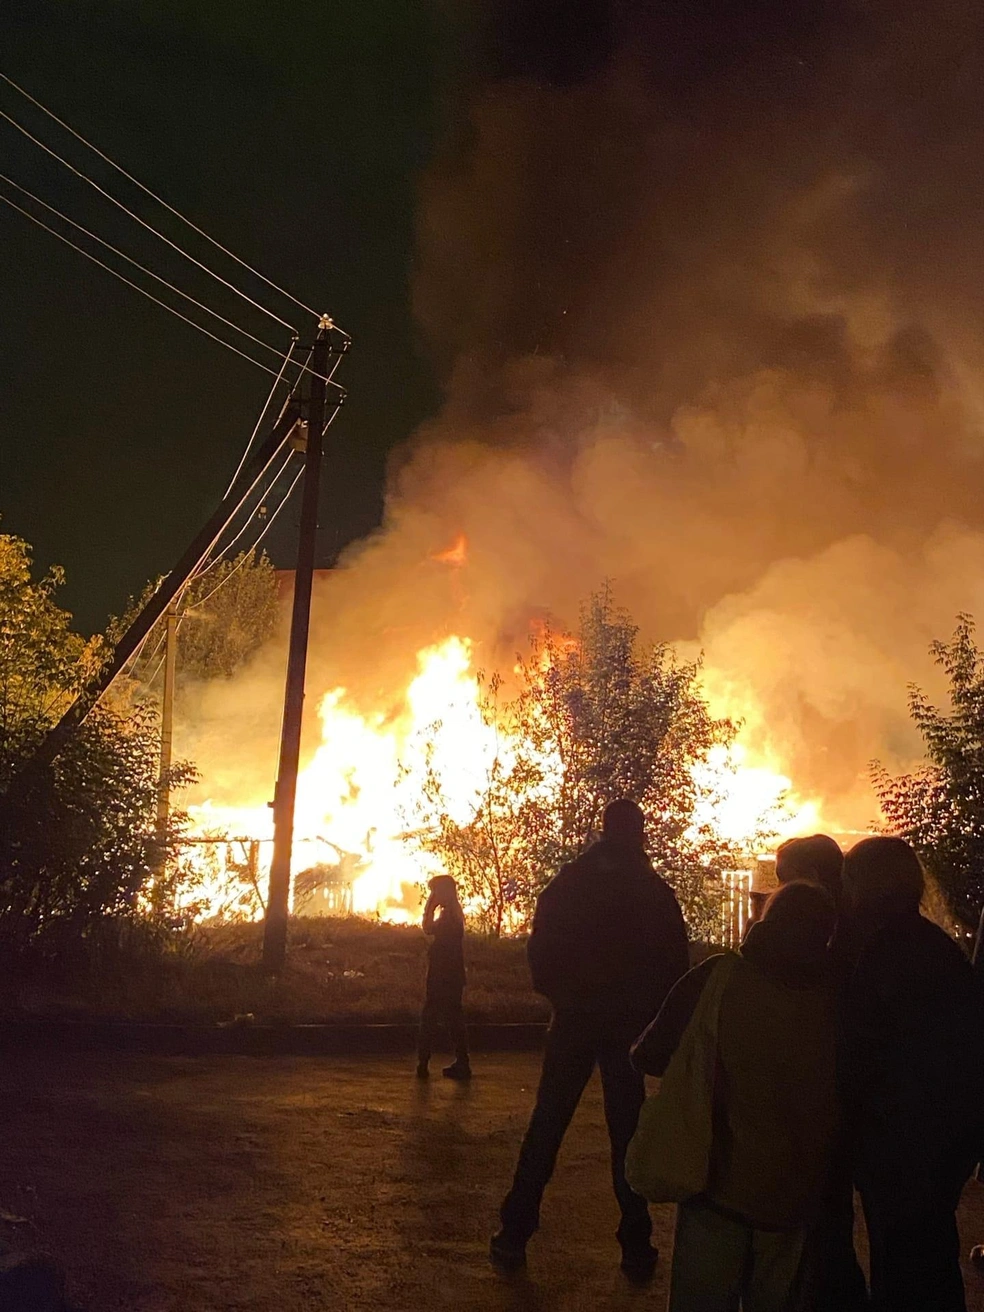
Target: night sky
653,199
293,134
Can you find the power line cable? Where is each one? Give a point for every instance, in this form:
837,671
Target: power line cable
266,528
149,272
149,683
249,491
249,445
225,579
143,222
136,287
246,554
328,379
157,646
245,456
223,554
261,474
175,602
153,195
195,605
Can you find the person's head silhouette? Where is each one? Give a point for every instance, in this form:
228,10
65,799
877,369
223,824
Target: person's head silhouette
814,860
883,878
799,917
443,891
624,824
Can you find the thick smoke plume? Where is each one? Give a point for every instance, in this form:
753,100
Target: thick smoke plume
704,289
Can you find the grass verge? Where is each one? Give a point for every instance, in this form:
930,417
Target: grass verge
339,971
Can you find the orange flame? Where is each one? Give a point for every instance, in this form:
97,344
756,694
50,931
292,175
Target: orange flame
456,554
356,793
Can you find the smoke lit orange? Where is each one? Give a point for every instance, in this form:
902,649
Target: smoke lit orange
457,554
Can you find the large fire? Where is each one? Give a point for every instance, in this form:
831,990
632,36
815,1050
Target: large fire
358,793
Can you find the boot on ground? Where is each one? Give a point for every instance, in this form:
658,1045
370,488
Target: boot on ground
459,1070
506,1252
639,1264
31,1284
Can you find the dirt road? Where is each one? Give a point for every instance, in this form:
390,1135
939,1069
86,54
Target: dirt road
274,1185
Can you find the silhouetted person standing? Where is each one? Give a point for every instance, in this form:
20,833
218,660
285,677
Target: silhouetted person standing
608,943
837,1283
444,921
770,1101
911,1075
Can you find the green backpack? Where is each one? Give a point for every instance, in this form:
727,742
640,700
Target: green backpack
669,1157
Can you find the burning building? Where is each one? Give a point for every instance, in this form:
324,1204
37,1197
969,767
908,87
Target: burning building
715,339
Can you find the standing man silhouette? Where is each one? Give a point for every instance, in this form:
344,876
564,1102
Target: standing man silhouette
608,944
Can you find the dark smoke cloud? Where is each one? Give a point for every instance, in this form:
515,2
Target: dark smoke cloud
703,283
734,253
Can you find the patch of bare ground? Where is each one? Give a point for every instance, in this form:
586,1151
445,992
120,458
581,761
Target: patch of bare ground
275,1185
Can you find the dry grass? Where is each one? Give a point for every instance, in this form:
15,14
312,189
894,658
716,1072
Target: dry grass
345,970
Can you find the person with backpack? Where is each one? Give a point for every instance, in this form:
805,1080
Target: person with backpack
742,1131
444,922
608,942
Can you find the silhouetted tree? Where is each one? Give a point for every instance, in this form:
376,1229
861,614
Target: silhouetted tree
597,716
940,808
226,614
78,840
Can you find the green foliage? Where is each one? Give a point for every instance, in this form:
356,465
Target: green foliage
78,839
596,717
230,612
41,659
940,808
226,614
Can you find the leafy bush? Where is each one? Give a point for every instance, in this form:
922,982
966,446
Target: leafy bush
940,808
79,840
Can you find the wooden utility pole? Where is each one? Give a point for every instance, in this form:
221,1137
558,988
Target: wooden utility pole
167,719
275,926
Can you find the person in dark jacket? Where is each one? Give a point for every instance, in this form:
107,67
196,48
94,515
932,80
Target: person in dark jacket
444,921
977,962
608,943
911,1080
837,1283
744,1240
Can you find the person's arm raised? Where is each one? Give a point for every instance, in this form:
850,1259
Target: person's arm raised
427,923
